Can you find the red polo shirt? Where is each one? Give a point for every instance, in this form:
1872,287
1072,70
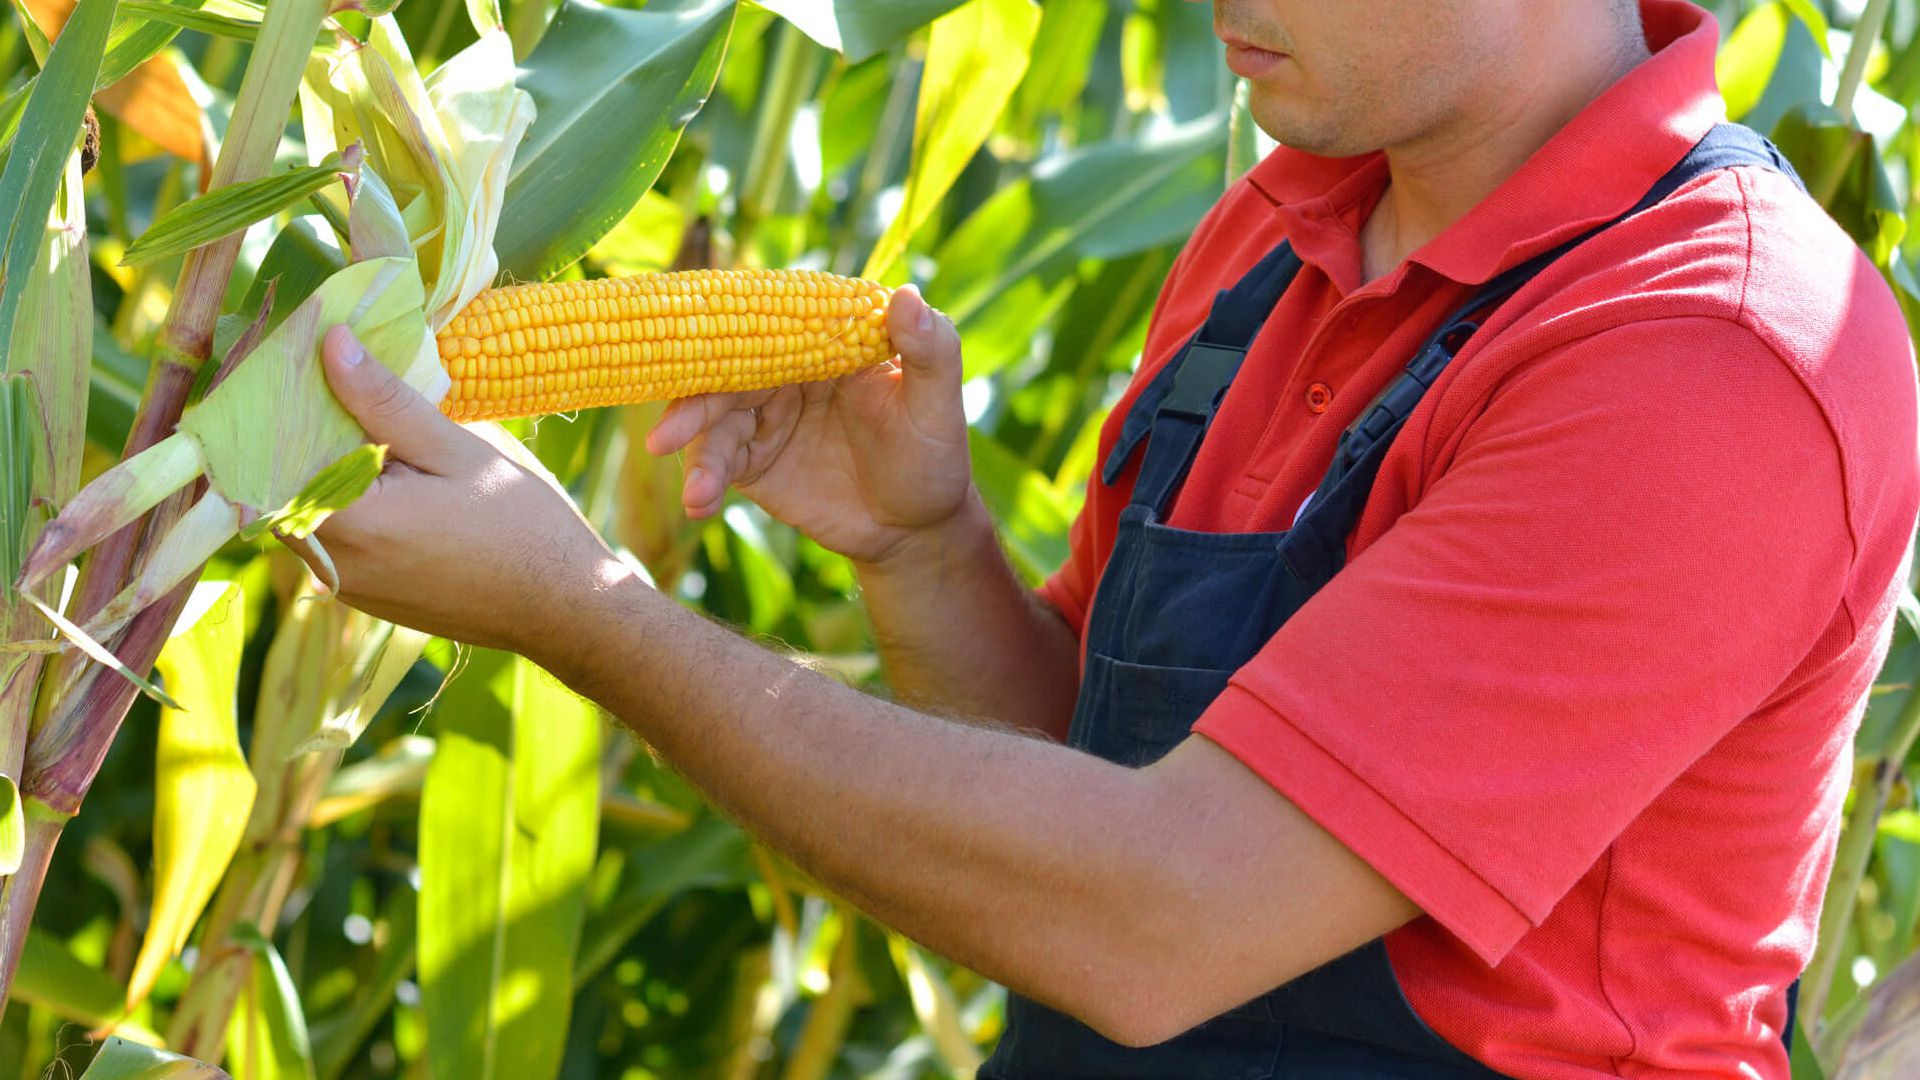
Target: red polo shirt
1587,688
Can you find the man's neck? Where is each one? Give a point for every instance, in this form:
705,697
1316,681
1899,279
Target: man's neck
1435,179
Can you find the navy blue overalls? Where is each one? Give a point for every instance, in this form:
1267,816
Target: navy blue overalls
1177,612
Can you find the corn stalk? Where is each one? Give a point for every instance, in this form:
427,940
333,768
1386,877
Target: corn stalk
82,705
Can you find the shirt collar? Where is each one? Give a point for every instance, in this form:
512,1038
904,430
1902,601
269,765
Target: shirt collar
1594,169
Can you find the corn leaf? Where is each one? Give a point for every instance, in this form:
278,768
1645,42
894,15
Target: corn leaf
23,440
231,209
238,20
203,791
49,128
859,28
710,853
935,1007
337,1038
52,339
50,977
1011,263
123,1060
268,1039
613,89
508,823
13,826
976,55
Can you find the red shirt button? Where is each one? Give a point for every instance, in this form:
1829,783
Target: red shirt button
1319,396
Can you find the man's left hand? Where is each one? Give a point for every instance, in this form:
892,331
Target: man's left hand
462,537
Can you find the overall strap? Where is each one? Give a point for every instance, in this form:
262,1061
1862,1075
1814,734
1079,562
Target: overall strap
1177,406
1317,545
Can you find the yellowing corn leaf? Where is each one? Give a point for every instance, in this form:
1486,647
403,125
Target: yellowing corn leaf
975,58
203,791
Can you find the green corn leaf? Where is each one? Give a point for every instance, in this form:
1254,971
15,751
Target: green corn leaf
52,338
859,28
710,853
123,1060
976,55
37,42
203,790
268,1039
50,977
1033,518
613,89
13,826
23,441
1007,268
49,129
233,208
331,490
508,825
236,19
337,1038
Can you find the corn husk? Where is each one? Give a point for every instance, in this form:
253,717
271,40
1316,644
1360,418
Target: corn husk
422,213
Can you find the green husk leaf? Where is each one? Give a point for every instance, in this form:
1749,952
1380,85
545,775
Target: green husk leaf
49,129
331,490
252,465
123,1060
231,209
13,827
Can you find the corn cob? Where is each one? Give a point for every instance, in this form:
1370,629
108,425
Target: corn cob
529,350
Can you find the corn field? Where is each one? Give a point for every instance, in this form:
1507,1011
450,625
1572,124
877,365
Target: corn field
283,839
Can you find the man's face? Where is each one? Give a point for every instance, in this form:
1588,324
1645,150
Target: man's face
1346,78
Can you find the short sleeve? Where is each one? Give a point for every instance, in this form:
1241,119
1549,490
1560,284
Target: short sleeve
1631,547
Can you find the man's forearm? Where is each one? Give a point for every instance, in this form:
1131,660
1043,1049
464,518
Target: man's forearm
1108,892
961,635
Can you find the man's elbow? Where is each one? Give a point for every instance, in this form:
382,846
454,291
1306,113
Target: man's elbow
1141,1004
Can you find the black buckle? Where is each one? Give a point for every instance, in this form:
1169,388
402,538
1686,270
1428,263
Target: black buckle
1204,375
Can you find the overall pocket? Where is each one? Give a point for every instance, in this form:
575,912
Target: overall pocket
1134,714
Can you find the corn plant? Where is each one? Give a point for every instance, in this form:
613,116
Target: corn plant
306,850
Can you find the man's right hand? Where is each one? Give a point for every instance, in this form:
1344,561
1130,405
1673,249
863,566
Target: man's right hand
864,464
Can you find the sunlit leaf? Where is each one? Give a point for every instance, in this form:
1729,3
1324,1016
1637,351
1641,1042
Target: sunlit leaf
613,88
976,55
859,28
231,209
203,790
508,823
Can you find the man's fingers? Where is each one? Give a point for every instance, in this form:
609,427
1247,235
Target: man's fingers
685,419
389,410
716,455
929,348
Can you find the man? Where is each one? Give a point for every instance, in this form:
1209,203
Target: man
1519,735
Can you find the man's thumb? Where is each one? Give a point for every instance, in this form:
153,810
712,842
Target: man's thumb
388,409
926,340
